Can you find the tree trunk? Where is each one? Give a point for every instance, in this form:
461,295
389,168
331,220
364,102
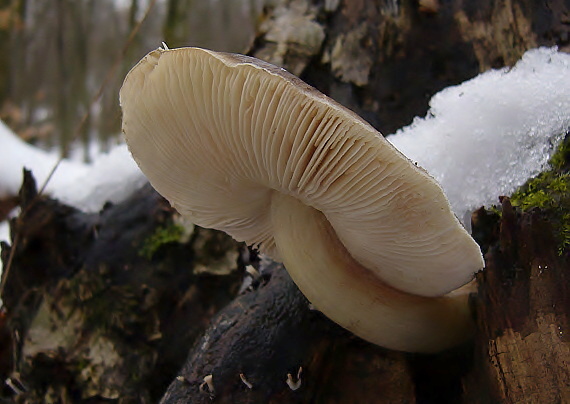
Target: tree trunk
384,59
523,310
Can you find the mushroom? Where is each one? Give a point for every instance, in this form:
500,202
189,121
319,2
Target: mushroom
242,146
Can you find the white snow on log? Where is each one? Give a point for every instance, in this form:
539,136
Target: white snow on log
486,137
112,177
17,154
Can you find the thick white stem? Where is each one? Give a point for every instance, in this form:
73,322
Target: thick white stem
351,296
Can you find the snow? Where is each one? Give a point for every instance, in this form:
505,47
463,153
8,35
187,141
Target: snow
112,177
17,154
480,139
487,136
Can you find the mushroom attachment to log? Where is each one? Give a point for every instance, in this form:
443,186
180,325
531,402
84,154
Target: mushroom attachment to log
242,146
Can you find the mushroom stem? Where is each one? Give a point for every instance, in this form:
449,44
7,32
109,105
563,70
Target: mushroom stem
352,296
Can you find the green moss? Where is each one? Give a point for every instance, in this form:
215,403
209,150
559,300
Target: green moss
564,234
549,191
561,157
559,184
162,235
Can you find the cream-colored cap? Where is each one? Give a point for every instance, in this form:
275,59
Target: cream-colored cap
219,135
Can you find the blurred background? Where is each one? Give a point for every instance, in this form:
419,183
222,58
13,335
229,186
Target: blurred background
63,61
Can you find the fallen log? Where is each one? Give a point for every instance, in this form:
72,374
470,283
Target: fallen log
97,305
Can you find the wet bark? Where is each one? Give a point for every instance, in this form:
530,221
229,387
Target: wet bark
384,59
523,341
82,303
268,346
98,306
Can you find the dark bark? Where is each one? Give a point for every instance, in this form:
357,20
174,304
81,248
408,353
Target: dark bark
523,341
384,59
7,204
522,346
10,14
270,334
87,299
112,300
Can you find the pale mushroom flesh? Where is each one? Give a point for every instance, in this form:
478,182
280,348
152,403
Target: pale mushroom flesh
242,146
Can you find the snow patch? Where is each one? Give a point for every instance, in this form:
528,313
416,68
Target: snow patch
487,136
17,154
112,177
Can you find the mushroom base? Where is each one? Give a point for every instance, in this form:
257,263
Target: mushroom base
353,297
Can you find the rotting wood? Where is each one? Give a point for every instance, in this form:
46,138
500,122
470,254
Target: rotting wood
86,303
522,347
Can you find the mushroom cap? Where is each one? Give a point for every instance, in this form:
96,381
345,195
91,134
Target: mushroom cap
217,133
